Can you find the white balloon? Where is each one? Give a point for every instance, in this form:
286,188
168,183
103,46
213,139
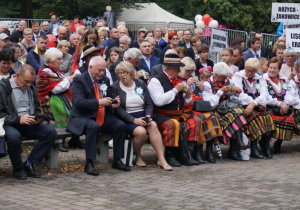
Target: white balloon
213,24
200,24
198,17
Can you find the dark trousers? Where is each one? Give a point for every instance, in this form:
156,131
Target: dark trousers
111,125
45,135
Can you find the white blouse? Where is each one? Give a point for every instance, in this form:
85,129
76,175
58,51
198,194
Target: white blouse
278,88
244,98
134,102
292,97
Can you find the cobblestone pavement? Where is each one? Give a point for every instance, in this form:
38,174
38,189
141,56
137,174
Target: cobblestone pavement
254,184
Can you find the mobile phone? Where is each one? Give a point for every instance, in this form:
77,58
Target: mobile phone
114,101
38,116
146,119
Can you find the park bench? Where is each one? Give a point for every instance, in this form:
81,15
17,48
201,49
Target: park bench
51,158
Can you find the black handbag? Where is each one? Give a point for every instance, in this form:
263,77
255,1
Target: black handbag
183,154
228,105
276,111
3,151
202,106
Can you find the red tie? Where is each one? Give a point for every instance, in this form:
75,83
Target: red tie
100,112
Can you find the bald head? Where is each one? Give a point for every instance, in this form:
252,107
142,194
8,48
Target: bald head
22,25
3,27
199,33
62,32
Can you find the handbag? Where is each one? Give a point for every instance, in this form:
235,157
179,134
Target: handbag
202,106
276,111
228,105
128,152
3,151
183,154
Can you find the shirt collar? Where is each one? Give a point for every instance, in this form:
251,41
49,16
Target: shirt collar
93,81
13,83
145,58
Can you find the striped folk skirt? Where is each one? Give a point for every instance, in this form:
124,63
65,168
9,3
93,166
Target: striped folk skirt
170,130
210,127
285,127
258,124
231,122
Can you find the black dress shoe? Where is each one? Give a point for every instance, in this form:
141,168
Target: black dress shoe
117,164
31,172
76,143
62,148
20,174
90,169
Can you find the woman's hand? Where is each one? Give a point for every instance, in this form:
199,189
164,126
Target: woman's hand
292,74
284,107
188,92
225,89
236,89
249,109
140,122
200,85
261,108
190,81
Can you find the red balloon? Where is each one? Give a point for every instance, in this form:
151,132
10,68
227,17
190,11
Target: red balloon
206,19
52,40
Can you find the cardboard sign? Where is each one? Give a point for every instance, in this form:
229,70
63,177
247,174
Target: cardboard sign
218,40
285,12
293,39
291,26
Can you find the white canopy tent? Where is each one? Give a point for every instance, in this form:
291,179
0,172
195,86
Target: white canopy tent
151,13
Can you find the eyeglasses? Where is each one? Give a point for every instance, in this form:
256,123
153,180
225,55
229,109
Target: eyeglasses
190,71
122,73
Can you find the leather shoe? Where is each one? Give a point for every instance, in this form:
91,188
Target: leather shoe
117,164
62,148
90,169
31,172
20,174
76,143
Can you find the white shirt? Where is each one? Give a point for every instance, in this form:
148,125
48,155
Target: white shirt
55,26
244,97
161,98
147,61
292,97
134,103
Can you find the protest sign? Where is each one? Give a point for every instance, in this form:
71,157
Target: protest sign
218,40
287,25
293,40
285,12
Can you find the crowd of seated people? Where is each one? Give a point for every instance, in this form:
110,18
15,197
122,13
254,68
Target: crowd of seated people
163,86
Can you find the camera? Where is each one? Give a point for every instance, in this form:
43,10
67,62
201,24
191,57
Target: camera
146,119
114,101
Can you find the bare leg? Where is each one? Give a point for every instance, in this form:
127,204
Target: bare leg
156,141
140,138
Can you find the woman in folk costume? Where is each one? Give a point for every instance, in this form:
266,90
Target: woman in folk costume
54,94
170,97
218,89
281,101
254,98
210,130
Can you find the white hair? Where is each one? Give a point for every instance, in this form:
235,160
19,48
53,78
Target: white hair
108,8
79,28
221,69
133,53
127,39
96,60
170,51
285,52
52,54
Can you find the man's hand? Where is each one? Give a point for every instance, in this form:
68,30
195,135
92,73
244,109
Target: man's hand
225,89
105,101
27,120
188,92
179,87
114,106
138,74
235,89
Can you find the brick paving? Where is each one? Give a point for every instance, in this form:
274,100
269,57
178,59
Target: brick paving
254,184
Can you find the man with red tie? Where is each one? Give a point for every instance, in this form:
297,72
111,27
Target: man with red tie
92,113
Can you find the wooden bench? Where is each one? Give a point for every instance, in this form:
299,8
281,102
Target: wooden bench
102,148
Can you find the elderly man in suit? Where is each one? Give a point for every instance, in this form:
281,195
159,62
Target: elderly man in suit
148,60
92,113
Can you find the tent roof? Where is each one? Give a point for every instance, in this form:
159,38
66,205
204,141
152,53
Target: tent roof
151,13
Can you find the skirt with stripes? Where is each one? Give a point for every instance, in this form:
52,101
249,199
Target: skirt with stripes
170,130
285,127
258,124
210,127
231,122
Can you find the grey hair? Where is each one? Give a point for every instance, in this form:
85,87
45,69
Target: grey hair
150,38
75,34
61,27
52,54
108,8
221,69
96,60
285,52
62,43
127,39
133,53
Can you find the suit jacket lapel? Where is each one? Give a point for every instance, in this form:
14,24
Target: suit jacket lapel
90,83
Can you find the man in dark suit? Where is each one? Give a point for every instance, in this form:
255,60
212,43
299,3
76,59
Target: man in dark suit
263,50
148,60
92,113
254,46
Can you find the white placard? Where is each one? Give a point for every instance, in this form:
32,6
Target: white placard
285,12
291,26
218,40
293,39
